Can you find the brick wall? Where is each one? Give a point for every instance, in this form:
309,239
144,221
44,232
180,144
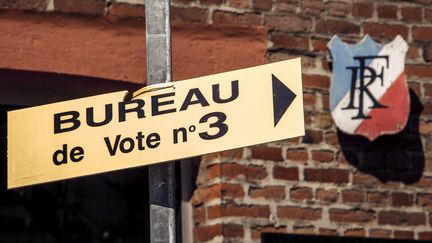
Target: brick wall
326,182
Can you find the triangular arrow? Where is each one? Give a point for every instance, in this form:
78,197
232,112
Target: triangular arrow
282,99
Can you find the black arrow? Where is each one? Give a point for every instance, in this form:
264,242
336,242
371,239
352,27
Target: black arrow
282,99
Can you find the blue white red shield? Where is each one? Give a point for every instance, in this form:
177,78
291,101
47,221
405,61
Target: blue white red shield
369,93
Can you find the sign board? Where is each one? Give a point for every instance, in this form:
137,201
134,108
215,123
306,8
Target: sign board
184,119
369,92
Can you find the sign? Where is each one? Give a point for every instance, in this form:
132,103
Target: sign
369,93
183,119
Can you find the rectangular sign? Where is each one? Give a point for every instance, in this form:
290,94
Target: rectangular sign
159,123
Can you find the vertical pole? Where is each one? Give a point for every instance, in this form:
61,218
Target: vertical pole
162,181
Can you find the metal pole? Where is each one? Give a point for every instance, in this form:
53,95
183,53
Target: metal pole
162,180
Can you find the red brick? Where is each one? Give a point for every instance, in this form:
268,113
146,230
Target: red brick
411,14
328,232
304,229
355,232
421,71
206,194
422,33
403,234
333,26
288,23
232,210
352,196
425,236
427,52
311,7
251,173
231,191
238,3
262,5
127,10
193,14
331,138
309,101
427,90
386,31
400,199
199,215
338,8
292,212
96,7
312,137
387,11
400,218
323,156
316,81
205,233
371,181
301,193
256,232
284,173
380,233
428,14
424,200
290,42
363,9
297,155
330,195
324,121
211,2
267,153
286,6
269,192
38,5
233,231
327,175
351,215
236,19
319,44
378,198
424,2
413,53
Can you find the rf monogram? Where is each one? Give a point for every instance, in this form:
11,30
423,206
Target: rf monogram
366,76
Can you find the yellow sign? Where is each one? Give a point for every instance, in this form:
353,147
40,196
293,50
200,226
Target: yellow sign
183,119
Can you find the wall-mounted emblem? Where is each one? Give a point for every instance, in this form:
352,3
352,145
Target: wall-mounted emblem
369,93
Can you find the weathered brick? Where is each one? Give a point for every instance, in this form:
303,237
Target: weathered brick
330,195
351,215
316,81
312,137
250,172
400,199
293,212
286,6
386,31
424,200
319,44
338,8
363,9
427,52
267,153
333,26
401,218
193,14
232,210
288,23
238,3
426,235
421,71
211,2
323,156
403,234
352,196
256,232
206,194
268,192
199,215
236,19
328,232
324,121
326,175
208,232
290,42
428,14
300,154
311,7
284,173
387,11
263,5
378,198
411,14
331,138
304,229
422,33
127,10
233,231
301,193
380,233
232,154
355,232
38,5
93,7
309,101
